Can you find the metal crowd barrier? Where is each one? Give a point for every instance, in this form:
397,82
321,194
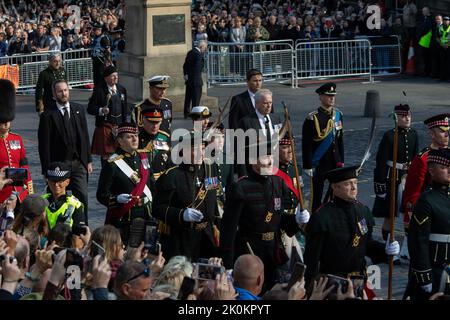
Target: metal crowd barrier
386,55
330,59
78,65
228,62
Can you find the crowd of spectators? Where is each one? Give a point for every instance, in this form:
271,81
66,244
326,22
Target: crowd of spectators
28,26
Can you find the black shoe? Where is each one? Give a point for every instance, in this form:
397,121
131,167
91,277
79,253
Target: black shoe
397,262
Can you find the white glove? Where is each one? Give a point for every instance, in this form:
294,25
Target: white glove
427,288
392,249
382,196
192,215
309,172
302,217
124,198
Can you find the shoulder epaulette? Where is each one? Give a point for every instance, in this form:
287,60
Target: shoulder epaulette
311,115
164,133
164,98
423,151
115,157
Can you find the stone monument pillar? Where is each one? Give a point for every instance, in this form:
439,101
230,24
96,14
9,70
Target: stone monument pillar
158,35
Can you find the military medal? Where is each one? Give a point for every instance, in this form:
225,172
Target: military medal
269,216
167,114
197,182
356,241
363,226
145,163
14,144
277,203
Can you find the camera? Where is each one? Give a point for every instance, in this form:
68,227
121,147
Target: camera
17,175
336,281
73,258
151,243
79,229
207,271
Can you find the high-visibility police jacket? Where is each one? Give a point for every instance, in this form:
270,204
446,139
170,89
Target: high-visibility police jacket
67,212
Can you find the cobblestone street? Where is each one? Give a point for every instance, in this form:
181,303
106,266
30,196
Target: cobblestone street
426,97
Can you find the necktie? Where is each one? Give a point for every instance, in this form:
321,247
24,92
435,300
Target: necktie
268,135
67,122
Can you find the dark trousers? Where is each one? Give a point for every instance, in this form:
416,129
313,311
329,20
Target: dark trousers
435,66
97,70
444,57
318,182
193,96
79,185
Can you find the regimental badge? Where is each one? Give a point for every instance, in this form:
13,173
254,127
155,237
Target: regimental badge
268,216
161,145
14,144
362,225
338,125
135,178
145,164
356,241
165,157
277,203
278,127
122,97
167,114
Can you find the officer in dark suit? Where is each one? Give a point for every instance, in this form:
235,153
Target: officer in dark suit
186,203
407,149
192,70
108,104
339,235
158,87
244,104
254,215
156,141
124,187
429,232
322,141
63,136
44,93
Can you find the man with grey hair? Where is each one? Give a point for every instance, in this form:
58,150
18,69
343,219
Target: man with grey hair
192,70
44,93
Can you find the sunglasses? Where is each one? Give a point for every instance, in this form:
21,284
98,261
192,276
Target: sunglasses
145,272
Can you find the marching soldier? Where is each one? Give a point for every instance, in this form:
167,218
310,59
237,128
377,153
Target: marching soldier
429,231
62,207
254,216
158,86
12,150
124,187
44,92
322,142
108,104
418,179
407,149
101,53
156,141
200,116
339,235
186,203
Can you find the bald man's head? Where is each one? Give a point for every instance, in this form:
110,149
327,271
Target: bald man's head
248,273
22,252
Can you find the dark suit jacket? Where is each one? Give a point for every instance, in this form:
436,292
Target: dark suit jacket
98,100
252,122
53,140
240,107
193,67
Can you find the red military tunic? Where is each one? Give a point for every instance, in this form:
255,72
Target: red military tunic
418,179
12,155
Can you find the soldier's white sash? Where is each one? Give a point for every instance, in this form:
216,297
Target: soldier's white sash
126,169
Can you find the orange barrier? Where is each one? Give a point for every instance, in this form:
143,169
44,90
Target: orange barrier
11,73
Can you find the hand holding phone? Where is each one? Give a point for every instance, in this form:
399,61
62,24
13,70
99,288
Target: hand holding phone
17,175
207,271
187,287
297,274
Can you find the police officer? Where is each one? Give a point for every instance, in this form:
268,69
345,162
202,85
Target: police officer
156,141
322,141
254,215
429,231
124,187
44,93
118,44
200,116
407,149
12,150
339,235
158,86
444,50
101,53
186,203
418,178
62,207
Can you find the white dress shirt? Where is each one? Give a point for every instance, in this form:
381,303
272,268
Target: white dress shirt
262,123
61,108
252,97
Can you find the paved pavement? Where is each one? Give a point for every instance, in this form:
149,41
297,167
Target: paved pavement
425,96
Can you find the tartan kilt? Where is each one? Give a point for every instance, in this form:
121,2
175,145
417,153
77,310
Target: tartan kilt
103,141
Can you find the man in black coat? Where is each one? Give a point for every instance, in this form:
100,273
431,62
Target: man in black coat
63,136
192,70
108,104
243,104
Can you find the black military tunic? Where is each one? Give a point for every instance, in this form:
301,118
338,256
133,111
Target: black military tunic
166,107
290,202
159,148
181,187
315,129
429,254
254,213
408,148
338,237
113,182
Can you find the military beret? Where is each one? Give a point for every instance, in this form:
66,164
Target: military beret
58,171
126,127
402,109
440,120
159,81
439,156
328,88
342,174
285,141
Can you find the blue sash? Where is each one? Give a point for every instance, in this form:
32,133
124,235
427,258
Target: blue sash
326,143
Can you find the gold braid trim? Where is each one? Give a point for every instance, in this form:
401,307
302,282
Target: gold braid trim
321,134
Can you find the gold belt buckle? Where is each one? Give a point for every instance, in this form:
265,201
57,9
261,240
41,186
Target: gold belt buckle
267,236
201,226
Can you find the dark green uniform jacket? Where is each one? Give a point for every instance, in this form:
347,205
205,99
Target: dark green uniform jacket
44,93
159,148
